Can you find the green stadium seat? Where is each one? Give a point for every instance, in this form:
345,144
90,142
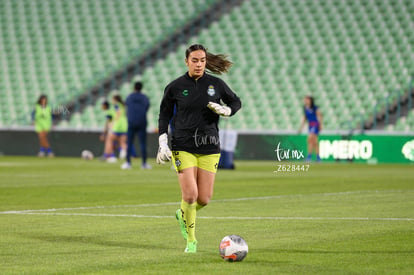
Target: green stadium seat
83,40
349,53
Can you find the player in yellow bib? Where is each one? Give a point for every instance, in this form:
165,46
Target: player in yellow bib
43,123
118,131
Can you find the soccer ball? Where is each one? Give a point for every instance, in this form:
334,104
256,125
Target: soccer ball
87,155
233,248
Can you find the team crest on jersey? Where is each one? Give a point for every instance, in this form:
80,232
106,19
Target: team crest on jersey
211,91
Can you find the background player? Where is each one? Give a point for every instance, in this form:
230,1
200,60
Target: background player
108,113
314,118
43,122
137,107
119,130
195,140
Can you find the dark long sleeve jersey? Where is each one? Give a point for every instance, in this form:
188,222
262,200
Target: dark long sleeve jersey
137,108
195,125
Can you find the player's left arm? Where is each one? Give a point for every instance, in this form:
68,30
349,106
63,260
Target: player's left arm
102,137
320,118
230,99
302,123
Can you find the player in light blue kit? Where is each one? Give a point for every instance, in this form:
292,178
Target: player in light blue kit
314,118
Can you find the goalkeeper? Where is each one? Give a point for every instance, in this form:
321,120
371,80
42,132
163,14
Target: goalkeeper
195,141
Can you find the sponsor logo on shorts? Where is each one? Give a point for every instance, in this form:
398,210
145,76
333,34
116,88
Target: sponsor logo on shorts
178,163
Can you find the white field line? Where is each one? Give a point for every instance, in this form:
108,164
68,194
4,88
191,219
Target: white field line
218,218
89,207
213,201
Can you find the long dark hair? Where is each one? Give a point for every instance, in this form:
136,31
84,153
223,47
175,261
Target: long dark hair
216,63
312,101
105,104
118,98
41,97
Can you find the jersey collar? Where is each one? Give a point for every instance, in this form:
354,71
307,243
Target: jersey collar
189,77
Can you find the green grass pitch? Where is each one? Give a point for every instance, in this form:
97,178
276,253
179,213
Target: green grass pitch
70,216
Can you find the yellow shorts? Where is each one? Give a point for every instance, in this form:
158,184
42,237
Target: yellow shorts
42,128
183,160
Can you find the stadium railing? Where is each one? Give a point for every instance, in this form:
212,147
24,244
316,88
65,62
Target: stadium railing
391,106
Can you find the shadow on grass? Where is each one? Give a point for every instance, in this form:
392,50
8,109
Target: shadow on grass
95,240
311,251
208,257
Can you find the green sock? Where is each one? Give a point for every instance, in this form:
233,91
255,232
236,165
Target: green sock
189,216
199,206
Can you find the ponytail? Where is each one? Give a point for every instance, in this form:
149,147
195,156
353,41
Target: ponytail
118,99
218,63
215,63
312,102
41,97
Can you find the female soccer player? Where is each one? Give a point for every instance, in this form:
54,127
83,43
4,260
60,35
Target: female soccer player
197,98
43,123
106,108
118,131
314,118
104,137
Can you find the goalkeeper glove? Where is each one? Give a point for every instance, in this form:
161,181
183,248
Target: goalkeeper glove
219,109
164,152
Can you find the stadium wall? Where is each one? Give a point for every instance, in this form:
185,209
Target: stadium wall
370,147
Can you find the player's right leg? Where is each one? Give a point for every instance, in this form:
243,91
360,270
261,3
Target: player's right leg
130,144
186,167
189,192
142,134
42,149
109,148
44,144
310,147
188,209
316,147
47,145
179,215
122,138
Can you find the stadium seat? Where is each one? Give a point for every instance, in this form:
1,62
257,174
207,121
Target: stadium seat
348,54
68,46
